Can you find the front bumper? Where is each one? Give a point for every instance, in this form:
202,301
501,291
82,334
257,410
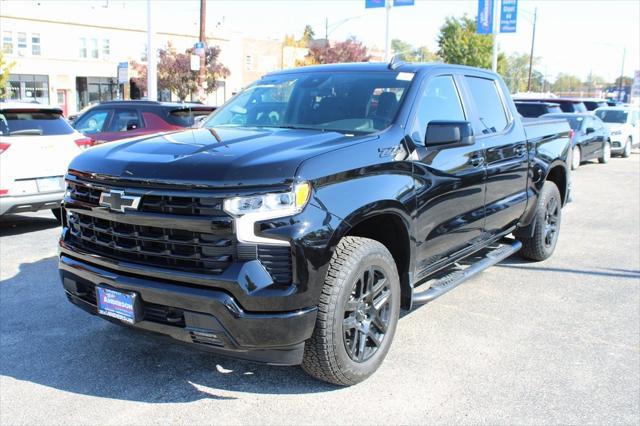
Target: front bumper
208,318
30,203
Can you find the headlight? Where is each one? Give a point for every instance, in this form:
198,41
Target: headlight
270,205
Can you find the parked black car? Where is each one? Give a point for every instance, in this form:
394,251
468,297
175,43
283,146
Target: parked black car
536,109
590,138
310,208
566,104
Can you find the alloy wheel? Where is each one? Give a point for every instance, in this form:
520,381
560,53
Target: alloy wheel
367,314
575,158
551,221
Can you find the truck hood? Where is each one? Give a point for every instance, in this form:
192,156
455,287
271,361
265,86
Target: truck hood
221,157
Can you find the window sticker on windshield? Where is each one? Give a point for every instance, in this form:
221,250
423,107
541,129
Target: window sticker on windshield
405,76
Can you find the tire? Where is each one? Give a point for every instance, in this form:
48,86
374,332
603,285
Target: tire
576,157
335,353
606,153
541,245
627,148
58,214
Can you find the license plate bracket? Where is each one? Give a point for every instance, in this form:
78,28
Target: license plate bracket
121,305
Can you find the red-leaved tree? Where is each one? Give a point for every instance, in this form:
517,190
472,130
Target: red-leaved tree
174,72
350,50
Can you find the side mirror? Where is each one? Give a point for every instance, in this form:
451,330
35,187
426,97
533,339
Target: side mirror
454,133
590,130
132,125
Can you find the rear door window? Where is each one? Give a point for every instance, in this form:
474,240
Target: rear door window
125,120
439,101
554,109
492,117
92,121
38,123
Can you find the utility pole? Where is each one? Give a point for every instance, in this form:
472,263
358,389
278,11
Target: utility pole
620,97
387,6
533,40
152,69
494,35
203,39
326,29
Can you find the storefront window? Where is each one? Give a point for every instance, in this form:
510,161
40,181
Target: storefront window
28,87
92,90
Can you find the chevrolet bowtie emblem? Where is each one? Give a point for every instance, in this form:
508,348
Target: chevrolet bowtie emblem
118,201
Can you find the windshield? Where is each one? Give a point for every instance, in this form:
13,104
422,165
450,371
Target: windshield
612,115
348,102
30,123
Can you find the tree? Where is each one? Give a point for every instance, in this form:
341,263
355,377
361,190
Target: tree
308,34
5,69
626,81
174,72
566,83
459,44
350,50
410,54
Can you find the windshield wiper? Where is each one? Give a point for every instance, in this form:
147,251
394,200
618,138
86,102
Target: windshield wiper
26,132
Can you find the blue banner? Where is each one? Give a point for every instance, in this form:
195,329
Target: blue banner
370,4
508,16
485,17
397,3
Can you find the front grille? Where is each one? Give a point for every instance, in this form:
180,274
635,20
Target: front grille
152,203
163,247
277,261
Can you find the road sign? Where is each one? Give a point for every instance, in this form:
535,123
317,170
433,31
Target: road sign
198,48
397,3
508,16
370,4
485,17
123,72
195,63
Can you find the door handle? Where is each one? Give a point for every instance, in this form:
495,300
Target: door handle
520,150
477,161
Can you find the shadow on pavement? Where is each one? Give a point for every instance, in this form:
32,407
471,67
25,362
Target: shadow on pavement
46,340
618,273
21,224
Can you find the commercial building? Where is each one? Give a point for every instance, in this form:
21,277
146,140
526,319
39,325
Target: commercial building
72,61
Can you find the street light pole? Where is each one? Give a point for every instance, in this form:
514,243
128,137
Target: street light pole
203,39
387,6
494,36
624,53
152,71
533,39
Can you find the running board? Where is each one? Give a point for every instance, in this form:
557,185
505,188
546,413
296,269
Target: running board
453,279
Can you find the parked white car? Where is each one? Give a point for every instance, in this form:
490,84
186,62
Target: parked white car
624,127
36,146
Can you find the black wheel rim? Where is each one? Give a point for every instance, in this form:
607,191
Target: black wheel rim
551,221
367,314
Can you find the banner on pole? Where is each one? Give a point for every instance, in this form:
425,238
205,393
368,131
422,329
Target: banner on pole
508,16
397,3
485,17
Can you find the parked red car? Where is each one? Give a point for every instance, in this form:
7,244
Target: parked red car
110,121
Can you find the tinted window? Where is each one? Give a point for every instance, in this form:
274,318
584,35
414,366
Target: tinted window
555,109
352,102
490,108
125,120
22,123
531,110
186,117
612,115
92,121
440,101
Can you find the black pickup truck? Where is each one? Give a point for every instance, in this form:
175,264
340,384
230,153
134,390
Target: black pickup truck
293,226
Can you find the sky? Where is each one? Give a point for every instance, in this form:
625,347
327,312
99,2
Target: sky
577,37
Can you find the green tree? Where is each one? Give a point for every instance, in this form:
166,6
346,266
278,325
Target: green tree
408,53
459,43
5,69
515,71
566,83
626,81
308,34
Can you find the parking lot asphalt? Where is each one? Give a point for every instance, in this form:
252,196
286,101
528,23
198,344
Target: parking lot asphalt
555,342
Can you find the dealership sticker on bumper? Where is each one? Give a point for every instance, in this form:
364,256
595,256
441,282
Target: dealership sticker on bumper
116,304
